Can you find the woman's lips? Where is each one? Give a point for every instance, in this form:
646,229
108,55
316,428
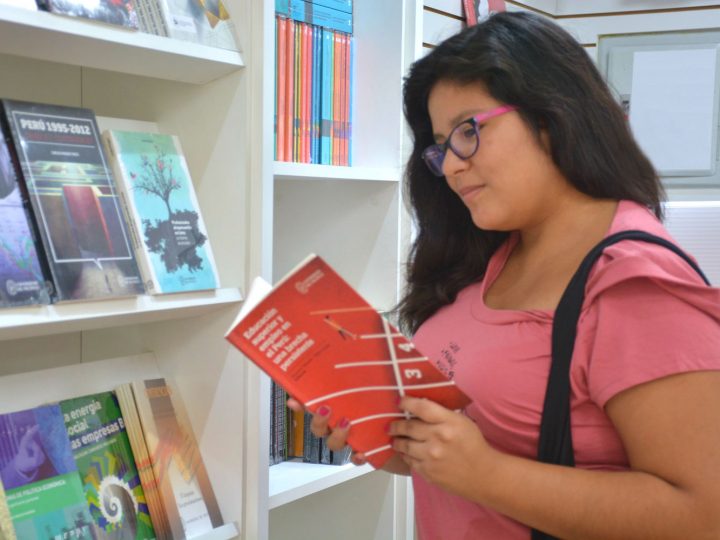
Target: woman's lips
468,192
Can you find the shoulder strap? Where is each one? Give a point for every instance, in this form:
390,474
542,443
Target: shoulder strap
555,443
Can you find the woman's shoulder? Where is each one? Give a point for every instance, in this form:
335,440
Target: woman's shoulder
638,259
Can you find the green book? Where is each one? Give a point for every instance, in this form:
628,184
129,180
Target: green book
106,466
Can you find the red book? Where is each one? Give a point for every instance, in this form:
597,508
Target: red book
321,341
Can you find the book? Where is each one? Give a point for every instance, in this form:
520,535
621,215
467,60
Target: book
320,340
106,466
42,485
317,14
7,531
183,485
128,409
206,22
23,278
59,160
340,5
478,10
117,12
156,192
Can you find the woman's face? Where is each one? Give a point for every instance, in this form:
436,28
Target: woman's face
511,182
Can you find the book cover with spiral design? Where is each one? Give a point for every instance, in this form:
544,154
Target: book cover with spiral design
106,466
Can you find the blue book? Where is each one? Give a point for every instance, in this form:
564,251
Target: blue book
326,114
340,5
307,12
157,194
351,84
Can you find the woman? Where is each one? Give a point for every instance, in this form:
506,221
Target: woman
522,162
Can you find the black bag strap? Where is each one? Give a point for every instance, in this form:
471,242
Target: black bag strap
555,443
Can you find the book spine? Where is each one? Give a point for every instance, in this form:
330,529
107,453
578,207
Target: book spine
280,73
326,98
351,84
297,109
289,88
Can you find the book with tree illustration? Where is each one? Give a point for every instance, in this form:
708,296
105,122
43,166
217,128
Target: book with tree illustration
318,338
170,239
59,160
110,478
42,485
22,274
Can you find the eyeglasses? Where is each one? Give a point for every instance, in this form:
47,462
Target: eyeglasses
463,141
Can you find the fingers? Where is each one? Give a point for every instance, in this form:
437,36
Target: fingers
426,410
338,437
295,405
319,425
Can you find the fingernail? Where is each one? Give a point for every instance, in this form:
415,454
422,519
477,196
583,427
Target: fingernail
359,459
323,410
344,423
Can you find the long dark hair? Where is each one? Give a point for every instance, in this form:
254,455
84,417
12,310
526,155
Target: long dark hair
525,60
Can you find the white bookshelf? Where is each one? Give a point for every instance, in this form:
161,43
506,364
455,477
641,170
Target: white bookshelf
45,36
284,170
293,480
261,216
82,316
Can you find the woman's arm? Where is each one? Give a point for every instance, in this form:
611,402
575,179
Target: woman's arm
671,431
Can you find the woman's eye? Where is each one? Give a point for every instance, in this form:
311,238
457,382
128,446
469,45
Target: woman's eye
468,131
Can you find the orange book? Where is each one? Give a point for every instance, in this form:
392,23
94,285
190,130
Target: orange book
307,92
296,92
289,88
321,341
280,96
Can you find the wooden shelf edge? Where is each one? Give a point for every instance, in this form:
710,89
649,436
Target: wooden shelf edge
292,480
81,42
59,318
283,170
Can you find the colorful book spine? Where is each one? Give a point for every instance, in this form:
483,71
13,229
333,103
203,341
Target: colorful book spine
326,113
106,465
320,15
42,485
280,92
351,85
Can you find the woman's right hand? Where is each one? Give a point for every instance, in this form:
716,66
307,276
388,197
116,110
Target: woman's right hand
335,437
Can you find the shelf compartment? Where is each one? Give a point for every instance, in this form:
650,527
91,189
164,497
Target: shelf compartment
72,317
284,170
82,42
293,480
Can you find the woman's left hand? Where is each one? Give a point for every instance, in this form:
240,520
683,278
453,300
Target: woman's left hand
443,446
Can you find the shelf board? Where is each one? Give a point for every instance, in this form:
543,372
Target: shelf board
284,170
293,480
82,42
72,317
224,532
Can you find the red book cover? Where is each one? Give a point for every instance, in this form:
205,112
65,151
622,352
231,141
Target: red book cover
280,74
321,341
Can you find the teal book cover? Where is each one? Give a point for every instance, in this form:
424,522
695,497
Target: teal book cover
37,469
155,187
106,466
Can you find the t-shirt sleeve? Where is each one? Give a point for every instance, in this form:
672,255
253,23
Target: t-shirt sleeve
641,326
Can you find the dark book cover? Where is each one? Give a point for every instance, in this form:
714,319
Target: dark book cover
22,279
59,159
42,486
106,465
118,12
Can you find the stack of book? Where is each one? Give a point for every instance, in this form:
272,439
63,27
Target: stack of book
112,465
314,58
70,230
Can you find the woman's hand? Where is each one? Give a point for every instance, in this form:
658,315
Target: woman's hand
443,446
336,437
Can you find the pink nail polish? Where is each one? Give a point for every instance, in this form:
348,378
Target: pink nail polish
344,423
323,410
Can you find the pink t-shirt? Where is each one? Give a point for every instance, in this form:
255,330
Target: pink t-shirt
646,315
